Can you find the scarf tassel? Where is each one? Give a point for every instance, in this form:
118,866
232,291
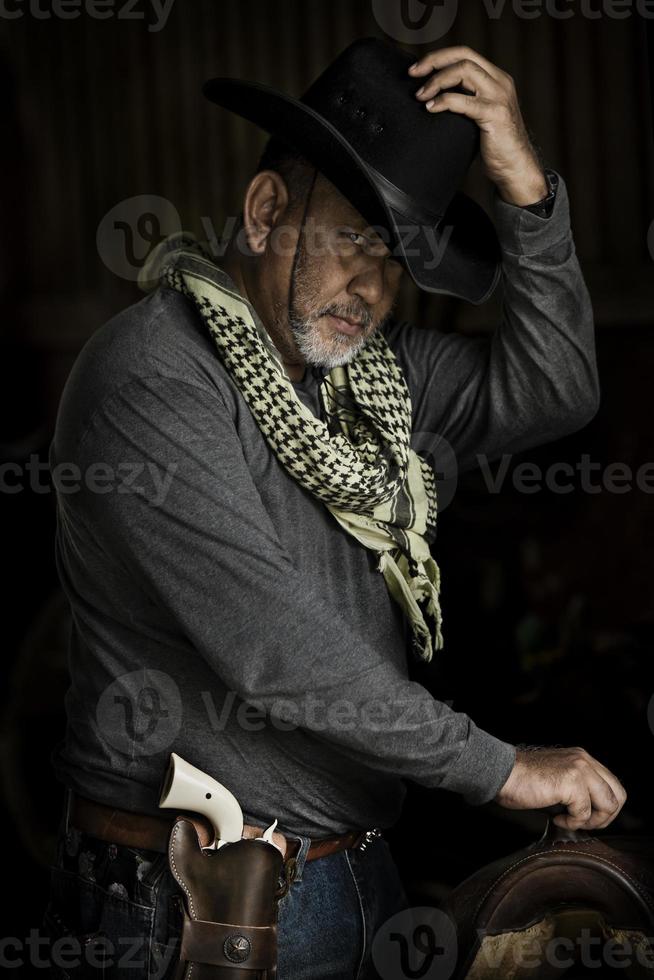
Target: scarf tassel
416,590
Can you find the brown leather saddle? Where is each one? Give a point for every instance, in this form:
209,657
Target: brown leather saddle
569,904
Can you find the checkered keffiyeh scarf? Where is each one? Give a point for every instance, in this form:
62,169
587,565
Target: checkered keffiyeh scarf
360,463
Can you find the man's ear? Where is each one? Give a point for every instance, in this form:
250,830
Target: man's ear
266,200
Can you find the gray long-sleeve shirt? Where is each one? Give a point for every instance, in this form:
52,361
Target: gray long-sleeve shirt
220,612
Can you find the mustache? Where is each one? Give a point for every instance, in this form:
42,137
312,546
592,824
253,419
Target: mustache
364,317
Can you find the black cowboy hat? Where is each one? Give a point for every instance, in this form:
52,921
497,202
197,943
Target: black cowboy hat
399,165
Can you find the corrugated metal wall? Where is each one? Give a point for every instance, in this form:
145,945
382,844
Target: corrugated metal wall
104,109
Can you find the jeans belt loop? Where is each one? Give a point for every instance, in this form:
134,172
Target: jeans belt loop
299,859
289,877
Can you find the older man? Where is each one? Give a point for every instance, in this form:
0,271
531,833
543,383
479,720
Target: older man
247,581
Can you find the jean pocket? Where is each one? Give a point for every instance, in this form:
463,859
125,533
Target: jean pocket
94,932
151,868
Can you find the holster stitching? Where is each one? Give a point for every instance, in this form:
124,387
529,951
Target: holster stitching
177,875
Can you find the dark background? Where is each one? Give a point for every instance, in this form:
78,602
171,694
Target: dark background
547,596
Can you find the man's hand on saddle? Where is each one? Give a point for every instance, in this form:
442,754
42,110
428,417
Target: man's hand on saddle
507,155
544,776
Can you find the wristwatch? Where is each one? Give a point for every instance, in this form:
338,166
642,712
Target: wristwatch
545,206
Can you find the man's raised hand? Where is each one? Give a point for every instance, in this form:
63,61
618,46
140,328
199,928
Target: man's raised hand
507,155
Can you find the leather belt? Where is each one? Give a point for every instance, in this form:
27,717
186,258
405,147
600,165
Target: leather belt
142,830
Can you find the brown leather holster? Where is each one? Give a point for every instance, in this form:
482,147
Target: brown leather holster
230,905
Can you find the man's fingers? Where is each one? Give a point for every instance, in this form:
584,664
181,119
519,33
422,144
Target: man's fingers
613,781
592,804
579,808
481,110
447,56
467,73
607,806
604,801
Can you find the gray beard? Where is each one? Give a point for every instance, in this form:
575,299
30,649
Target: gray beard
320,353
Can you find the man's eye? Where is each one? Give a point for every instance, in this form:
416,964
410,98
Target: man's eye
353,236
372,248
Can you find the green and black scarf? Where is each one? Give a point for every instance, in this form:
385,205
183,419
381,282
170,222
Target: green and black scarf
360,464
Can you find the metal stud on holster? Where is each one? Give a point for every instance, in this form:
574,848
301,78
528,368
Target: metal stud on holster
230,905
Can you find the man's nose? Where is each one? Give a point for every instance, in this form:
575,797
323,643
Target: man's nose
369,283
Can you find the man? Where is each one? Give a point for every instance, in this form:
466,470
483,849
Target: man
226,590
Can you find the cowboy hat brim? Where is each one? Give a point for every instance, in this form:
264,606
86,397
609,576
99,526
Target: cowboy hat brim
458,255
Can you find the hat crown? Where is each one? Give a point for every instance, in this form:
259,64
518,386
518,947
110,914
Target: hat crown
398,164
367,94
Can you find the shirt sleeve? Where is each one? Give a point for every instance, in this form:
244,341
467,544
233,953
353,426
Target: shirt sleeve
545,206
193,533
534,379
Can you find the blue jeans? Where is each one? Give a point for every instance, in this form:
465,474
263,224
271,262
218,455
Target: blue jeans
115,912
